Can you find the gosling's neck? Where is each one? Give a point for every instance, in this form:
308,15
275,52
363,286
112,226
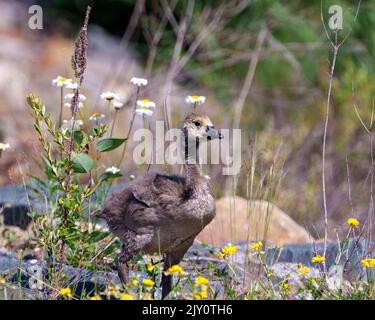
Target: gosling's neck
192,164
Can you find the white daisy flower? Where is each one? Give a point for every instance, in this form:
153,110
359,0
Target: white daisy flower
98,117
145,103
139,81
62,82
72,85
113,170
67,124
144,112
117,105
195,99
68,105
4,146
70,96
109,96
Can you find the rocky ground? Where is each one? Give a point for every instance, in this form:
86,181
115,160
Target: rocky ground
29,274
22,266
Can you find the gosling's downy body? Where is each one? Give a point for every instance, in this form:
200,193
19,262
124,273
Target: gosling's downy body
161,213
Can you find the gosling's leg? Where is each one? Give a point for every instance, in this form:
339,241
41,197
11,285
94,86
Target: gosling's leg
133,243
122,265
171,259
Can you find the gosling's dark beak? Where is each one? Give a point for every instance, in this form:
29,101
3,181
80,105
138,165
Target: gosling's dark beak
213,133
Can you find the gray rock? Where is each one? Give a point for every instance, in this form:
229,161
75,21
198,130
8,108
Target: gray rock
7,261
15,203
286,271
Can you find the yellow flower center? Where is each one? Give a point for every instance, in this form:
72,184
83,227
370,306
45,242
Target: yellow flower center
62,79
96,115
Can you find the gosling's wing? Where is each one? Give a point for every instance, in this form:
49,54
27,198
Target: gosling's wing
147,202
158,190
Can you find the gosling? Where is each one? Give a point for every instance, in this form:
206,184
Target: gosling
160,213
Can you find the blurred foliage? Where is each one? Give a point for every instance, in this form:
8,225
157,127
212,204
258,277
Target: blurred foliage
286,103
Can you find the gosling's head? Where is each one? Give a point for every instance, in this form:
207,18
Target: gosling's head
200,127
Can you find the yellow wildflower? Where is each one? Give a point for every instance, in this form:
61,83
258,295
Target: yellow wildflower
150,267
126,296
201,281
318,259
257,246
134,283
303,270
269,274
197,297
175,269
372,262
148,282
204,294
96,298
2,281
66,292
368,263
228,250
286,286
353,222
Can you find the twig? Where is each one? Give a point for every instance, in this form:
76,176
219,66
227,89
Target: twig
335,47
253,62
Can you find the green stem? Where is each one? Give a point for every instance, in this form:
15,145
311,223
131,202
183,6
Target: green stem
144,129
61,106
109,108
113,124
130,129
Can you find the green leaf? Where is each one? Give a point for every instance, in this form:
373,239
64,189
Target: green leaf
106,145
47,167
97,235
109,175
78,137
83,163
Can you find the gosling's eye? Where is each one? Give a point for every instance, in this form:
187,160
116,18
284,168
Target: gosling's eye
197,123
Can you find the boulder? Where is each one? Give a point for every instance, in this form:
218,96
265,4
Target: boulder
239,220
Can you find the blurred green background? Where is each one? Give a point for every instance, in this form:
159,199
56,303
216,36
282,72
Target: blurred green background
286,103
